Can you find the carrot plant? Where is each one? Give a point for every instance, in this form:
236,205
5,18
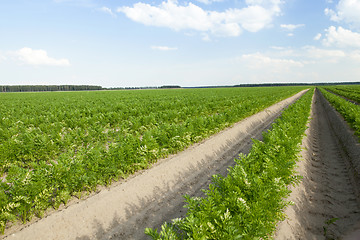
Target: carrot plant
351,92
249,201
61,144
350,111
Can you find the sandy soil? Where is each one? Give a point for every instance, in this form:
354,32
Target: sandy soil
155,195
330,185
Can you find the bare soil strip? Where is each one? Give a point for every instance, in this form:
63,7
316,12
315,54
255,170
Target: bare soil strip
328,198
155,195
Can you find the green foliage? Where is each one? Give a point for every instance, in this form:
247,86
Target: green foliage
327,224
350,111
56,145
351,92
249,201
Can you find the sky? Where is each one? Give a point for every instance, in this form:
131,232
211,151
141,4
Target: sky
136,43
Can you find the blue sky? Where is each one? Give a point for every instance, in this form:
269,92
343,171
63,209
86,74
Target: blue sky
135,43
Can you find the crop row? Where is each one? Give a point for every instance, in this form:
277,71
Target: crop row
350,111
57,145
249,201
351,92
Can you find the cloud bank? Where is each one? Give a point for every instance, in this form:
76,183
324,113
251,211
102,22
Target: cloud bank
261,61
341,37
347,11
38,57
257,15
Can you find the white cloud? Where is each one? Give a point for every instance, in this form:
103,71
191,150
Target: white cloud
207,2
317,37
327,55
2,57
277,48
262,68
260,61
231,22
108,11
291,27
307,64
312,54
347,11
355,55
163,48
332,14
206,37
38,57
341,37
282,52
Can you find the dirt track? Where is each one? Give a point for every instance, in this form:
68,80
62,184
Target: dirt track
330,185
155,195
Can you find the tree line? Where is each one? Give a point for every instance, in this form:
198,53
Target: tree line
43,88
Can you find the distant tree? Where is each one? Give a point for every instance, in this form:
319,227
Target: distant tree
43,88
170,86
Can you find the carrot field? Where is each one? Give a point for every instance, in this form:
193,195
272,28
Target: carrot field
57,145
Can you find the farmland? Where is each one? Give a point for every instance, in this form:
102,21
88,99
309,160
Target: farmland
65,145
247,203
326,200
58,145
349,110
349,92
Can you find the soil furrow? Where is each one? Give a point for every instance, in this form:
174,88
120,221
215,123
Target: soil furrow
326,201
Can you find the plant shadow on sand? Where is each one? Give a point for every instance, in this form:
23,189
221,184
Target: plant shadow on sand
163,205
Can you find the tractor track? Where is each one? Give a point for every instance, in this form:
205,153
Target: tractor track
327,201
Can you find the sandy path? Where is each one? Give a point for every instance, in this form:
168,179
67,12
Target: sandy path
155,195
329,188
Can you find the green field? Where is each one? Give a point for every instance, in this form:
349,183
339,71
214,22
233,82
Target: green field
56,145
249,201
349,110
351,92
